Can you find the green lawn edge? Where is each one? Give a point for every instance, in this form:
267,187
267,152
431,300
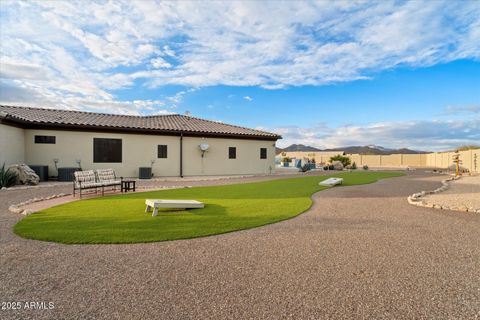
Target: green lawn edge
68,224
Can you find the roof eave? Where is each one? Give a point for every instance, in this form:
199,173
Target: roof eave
60,126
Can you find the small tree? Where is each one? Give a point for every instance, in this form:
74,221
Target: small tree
343,159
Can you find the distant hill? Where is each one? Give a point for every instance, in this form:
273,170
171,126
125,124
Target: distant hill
299,147
375,150
372,149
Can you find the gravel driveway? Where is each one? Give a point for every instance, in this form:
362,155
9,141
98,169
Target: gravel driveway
360,252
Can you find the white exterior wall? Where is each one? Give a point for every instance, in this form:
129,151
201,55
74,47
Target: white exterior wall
12,145
216,161
139,149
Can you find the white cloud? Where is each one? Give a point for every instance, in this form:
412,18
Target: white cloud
159,63
452,110
15,93
420,135
88,49
178,97
248,98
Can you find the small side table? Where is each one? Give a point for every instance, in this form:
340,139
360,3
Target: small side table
128,185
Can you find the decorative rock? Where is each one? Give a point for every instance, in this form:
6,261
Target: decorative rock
27,212
437,206
337,165
25,175
463,208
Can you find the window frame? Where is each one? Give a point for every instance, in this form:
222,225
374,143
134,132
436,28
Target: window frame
162,151
263,153
43,139
98,159
232,155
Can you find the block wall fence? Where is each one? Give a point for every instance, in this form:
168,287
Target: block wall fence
441,160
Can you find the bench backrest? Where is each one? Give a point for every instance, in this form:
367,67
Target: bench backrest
105,175
84,176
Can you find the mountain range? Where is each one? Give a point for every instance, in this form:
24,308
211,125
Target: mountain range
371,149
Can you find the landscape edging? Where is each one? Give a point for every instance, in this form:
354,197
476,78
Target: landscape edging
417,199
17,208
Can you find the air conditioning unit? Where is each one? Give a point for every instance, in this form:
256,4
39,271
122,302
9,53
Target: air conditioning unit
145,172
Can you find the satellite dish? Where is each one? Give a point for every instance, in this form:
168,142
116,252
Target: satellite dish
204,146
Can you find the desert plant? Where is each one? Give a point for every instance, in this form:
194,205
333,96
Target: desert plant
354,166
305,168
286,159
365,167
343,160
7,177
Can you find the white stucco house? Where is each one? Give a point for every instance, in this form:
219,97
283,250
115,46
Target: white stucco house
169,144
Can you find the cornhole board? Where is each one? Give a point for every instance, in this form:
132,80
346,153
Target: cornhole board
177,204
330,182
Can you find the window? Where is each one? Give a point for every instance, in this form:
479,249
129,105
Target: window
107,150
162,151
263,153
232,153
45,139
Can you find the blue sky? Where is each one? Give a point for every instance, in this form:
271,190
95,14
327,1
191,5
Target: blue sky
327,74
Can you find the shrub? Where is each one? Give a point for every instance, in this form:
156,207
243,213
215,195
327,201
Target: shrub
365,167
354,166
286,159
7,177
343,159
305,168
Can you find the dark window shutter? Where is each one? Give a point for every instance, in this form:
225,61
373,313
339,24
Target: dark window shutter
107,150
162,151
45,139
232,153
263,153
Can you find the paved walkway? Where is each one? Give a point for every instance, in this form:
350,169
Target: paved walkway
360,252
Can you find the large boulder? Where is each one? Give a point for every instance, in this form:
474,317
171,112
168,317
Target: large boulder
25,175
337,165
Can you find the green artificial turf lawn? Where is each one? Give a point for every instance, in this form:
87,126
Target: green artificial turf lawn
121,218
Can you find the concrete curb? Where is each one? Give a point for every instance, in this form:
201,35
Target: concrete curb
417,199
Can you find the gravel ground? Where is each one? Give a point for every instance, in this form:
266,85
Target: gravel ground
360,252
464,192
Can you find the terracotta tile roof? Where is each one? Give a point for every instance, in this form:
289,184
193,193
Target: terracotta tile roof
174,123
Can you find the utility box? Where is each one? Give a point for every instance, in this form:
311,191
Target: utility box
145,172
66,173
41,171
